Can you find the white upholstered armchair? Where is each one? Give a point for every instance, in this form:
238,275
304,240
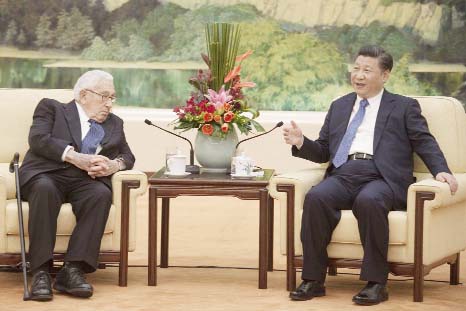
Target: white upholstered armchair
17,107
431,232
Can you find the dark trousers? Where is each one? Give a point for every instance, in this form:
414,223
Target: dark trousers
356,185
91,201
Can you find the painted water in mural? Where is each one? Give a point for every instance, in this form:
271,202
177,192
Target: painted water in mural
135,87
301,48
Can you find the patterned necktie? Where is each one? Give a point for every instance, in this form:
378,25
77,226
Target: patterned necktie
93,138
343,150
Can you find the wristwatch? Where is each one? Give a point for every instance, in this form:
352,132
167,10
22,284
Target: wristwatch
121,163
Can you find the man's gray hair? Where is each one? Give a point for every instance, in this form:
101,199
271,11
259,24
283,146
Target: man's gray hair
90,79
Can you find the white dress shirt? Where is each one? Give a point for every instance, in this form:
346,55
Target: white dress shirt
364,140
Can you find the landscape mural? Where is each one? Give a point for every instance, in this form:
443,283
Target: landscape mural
302,48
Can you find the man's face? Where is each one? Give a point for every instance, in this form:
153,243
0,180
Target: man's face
97,101
367,78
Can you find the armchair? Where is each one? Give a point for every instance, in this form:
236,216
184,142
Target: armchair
431,232
17,106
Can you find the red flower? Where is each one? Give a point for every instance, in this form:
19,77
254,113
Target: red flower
208,117
217,118
228,116
225,127
235,72
207,129
244,56
210,108
226,106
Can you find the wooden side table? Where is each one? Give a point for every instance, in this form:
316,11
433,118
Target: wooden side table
209,184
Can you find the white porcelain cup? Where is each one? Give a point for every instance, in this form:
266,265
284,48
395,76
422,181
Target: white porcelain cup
168,155
241,166
176,164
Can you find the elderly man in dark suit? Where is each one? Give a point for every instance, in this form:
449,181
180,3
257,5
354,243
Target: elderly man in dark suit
74,150
368,138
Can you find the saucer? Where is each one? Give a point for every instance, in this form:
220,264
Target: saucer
236,176
177,174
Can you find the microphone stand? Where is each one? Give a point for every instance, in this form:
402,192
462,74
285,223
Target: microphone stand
14,168
191,168
279,124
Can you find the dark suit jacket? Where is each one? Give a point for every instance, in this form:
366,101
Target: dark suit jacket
56,125
400,130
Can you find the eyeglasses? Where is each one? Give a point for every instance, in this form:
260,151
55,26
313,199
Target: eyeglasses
104,97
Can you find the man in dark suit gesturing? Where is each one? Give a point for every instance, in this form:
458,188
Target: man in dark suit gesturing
74,150
368,138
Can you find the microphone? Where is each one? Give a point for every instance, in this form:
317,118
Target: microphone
191,168
277,125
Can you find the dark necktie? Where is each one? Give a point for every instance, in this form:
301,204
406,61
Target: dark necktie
343,150
93,138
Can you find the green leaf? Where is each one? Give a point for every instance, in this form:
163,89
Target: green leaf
255,112
257,126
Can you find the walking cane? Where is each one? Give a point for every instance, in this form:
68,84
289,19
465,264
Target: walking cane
14,168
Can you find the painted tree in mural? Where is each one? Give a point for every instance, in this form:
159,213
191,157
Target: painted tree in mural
44,33
74,30
11,33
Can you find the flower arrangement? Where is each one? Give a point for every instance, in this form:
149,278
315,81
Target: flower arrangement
218,101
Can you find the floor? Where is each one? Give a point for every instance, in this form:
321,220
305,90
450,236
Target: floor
213,266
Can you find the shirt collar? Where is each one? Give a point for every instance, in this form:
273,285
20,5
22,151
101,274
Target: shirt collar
372,100
82,114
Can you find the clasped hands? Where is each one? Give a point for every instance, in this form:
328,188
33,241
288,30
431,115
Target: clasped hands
94,165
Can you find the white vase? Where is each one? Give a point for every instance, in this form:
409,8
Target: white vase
214,153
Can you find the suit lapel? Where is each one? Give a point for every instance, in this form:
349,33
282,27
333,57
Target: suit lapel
386,107
108,126
74,125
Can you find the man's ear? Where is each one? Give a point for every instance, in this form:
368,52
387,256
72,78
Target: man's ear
82,95
385,76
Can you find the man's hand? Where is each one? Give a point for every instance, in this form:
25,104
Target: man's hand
293,135
103,166
80,160
448,178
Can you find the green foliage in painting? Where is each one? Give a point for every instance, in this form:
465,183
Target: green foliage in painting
74,30
291,69
404,82
188,38
451,47
122,30
159,25
11,33
99,50
137,49
350,38
44,33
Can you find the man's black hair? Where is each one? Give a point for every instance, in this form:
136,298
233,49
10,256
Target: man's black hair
385,59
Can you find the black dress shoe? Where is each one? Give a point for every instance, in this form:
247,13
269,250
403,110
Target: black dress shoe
70,279
41,288
308,290
372,294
